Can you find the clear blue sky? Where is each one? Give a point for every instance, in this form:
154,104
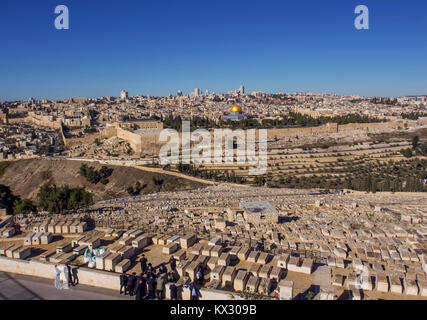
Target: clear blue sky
157,47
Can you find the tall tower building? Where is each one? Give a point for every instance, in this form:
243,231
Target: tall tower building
242,89
196,92
124,95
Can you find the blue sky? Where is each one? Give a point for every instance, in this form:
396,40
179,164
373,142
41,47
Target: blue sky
158,47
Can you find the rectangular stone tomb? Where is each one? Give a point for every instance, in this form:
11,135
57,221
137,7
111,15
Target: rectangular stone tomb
253,256
206,251
58,227
264,258
4,247
111,261
395,285
264,272
240,280
243,253
47,254
141,242
80,249
180,255
76,242
82,227
382,283
192,269
100,261
22,253
265,286
276,273
234,251
46,238
127,241
215,241
252,284
66,227
63,248
216,251
286,290
28,239
123,266
181,266
136,234
212,262
170,248
126,252
224,259
283,260
197,249
36,240
11,250
411,287
228,276
216,273
254,269
43,227
74,227
188,241
173,239
163,240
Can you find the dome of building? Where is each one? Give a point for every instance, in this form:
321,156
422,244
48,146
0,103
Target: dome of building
236,108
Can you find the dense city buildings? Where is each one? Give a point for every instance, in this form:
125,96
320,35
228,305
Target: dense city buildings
318,223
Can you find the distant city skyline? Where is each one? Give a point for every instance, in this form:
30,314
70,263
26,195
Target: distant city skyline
158,48
124,94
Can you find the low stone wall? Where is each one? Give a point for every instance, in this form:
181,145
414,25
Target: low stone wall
95,278
91,277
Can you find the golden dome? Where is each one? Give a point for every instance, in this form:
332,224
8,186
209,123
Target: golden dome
236,108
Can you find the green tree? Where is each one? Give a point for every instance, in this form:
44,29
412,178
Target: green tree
7,199
415,141
25,206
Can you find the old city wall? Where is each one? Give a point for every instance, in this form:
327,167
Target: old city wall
37,122
334,128
371,126
69,142
135,140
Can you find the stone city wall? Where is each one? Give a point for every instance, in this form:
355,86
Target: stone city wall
38,122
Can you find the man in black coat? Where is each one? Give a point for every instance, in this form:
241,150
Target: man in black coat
162,268
70,276
123,283
143,264
150,268
174,291
172,262
131,283
151,284
140,290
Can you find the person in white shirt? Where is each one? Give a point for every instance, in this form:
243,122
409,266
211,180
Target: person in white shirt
57,273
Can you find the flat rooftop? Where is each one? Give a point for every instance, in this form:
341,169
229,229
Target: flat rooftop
258,207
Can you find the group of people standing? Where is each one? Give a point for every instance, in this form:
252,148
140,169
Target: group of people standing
150,284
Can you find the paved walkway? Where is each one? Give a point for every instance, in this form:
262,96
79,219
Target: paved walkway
19,287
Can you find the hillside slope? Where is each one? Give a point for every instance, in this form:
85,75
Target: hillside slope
25,177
